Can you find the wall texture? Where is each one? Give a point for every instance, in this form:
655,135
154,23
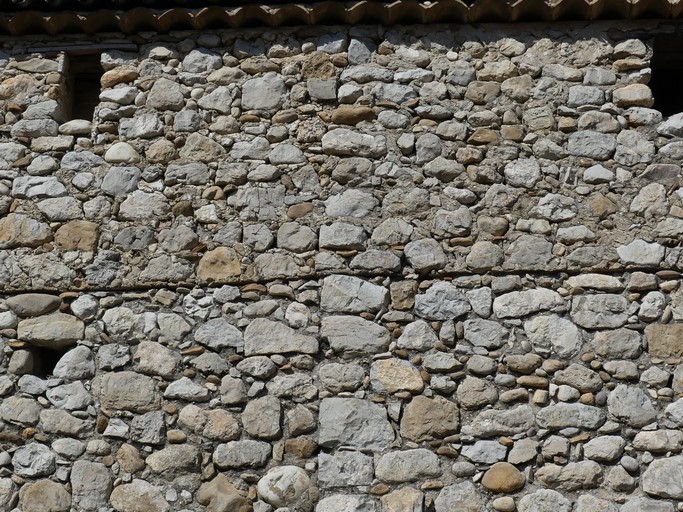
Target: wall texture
408,269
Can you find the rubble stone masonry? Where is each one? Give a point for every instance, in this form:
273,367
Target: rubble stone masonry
342,269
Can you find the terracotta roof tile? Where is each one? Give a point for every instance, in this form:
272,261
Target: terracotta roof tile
90,16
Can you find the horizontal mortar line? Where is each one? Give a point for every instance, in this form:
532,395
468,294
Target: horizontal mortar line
311,277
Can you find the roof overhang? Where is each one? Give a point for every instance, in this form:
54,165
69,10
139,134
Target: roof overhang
43,17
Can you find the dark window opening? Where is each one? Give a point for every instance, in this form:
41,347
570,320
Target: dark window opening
667,73
83,83
45,360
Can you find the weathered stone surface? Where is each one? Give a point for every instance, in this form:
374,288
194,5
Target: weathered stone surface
91,485
631,405
265,93
127,391
34,460
264,336
18,230
392,375
56,330
44,495
664,340
518,304
138,496
352,335
237,454
348,294
565,415
496,422
663,478
544,500
408,466
354,422
600,311
442,301
571,477
555,333
461,496
344,142
344,469
284,486
219,495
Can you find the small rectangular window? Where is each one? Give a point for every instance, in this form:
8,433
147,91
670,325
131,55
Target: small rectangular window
84,73
667,73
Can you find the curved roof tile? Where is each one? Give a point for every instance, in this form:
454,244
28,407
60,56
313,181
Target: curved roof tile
19,17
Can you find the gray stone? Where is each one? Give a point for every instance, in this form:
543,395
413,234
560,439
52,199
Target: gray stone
165,94
344,469
284,486
351,335
71,397
354,422
342,236
120,180
264,336
127,391
186,389
442,301
149,428
484,452
34,460
417,336
91,485
664,478
56,330
631,405
345,142
604,311
618,343
604,448
553,332
425,255
138,496
484,333
347,502
154,359
639,252
592,144
408,466
262,417
523,173
497,422
268,92
37,187
565,415
350,203
571,477
518,304
174,460
20,410
218,333
219,99
337,377
201,61
77,363
347,294
239,454
579,377
544,500
638,504
461,497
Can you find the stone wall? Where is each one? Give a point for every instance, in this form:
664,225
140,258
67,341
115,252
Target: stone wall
407,269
